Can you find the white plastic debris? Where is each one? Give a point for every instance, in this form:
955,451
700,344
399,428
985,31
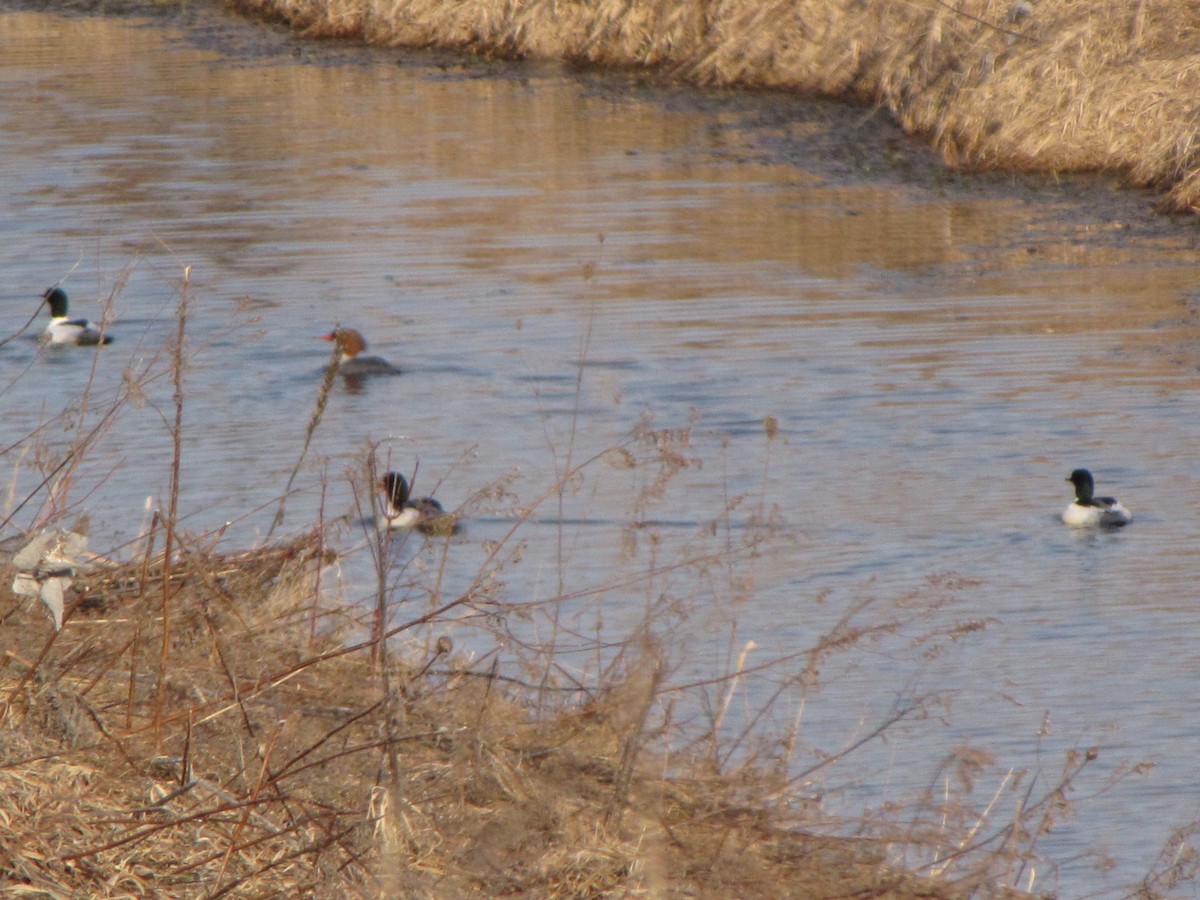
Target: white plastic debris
46,568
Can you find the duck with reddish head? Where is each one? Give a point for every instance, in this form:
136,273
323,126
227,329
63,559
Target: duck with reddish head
351,346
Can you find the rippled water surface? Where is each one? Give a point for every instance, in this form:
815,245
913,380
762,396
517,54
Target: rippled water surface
558,259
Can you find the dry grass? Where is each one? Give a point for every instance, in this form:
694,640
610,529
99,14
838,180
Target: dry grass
269,774
1052,85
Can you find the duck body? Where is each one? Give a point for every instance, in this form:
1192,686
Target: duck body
63,330
402,511
352,362
1089,510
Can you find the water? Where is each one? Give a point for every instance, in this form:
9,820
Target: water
556,257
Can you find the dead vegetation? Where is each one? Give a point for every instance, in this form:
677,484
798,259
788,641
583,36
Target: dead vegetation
1045,86
286,763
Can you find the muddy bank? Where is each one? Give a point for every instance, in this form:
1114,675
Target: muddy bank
992,84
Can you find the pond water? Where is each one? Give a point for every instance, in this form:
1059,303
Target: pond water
561,261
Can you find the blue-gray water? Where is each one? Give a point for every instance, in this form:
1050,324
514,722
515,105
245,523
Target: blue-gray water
558,259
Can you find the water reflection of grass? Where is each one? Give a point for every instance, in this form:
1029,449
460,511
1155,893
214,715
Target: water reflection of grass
1013,85
1035,87
207,722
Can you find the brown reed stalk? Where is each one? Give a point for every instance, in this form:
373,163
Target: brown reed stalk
24,328
381,551
172,519
381,542
59,479
562,483
314,612
131,692
314,420
61,487
646,693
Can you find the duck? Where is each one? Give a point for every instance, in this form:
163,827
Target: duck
1090,510
65,330
351,343
402,511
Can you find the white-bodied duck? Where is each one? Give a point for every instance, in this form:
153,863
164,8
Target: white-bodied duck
1090,510
401,510
65,330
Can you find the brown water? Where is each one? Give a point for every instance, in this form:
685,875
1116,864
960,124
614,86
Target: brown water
556,257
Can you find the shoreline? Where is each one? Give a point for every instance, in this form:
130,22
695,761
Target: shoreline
991,86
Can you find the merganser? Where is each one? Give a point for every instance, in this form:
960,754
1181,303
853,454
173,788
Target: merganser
1089,510
352,344
422,513
63,330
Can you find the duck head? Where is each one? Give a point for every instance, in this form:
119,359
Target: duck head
1084,486
56,299
395,488
348,341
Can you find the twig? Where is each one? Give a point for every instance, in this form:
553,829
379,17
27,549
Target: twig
173,502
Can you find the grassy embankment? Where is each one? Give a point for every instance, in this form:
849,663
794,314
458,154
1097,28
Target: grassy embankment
211,723
1026,85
